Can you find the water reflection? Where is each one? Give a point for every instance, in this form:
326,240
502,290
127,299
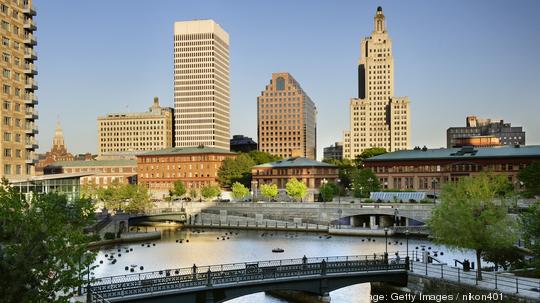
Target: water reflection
183,248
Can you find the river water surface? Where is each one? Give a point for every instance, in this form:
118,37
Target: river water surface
204,248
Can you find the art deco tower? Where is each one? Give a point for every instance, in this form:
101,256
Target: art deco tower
377,117
18,122
201,84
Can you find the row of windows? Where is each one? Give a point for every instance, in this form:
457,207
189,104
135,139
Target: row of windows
125,137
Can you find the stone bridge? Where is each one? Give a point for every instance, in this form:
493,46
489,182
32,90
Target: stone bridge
355,214
219,283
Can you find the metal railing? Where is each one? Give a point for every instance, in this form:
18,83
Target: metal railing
207,276
258,225
490,280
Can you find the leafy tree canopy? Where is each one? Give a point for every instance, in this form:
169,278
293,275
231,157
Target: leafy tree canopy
530,224
328,191
364,181
261,157
239,191
43,250
269,191
210,191
179,189
473,214
530,176
368,153
296,189
236,170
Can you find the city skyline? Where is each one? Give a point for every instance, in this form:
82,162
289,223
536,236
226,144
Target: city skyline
432,68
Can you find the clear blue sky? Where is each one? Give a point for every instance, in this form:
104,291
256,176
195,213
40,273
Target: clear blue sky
452,58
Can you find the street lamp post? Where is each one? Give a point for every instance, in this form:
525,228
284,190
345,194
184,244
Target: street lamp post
338,181
324,182
407,241
386,243
339,217
433,182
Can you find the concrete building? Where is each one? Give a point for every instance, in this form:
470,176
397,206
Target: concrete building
19,114
333,151
100,173
128,133
240,143
429,169
195,166
312,173
377,117
484,132
201,84
286,119
58,151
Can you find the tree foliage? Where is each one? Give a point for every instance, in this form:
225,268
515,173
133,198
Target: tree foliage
368,153
239,191
43,250
193,194
129,197
179,189
473,214
210,191
296,189
328,191
530,176
260,157
364,181
269,191
346,170
236,170
503,257
530,225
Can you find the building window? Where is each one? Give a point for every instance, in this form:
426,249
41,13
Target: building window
7,169
280,83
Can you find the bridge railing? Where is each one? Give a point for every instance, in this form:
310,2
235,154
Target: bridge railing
203,276
490,280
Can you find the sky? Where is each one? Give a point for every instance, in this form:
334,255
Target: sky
451,58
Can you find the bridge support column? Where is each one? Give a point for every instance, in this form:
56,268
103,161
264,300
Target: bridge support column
373,222
324,295
209,297
223,216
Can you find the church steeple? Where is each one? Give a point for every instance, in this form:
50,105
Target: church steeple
58,140
379,21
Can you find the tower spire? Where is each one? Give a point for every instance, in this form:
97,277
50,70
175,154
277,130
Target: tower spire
58,140
379,21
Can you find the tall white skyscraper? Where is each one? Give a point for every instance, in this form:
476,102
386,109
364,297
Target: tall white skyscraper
377,117
201,84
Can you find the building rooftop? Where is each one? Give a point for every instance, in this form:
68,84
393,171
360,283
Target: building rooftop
466,152
187,151
294,162
52,177
95,163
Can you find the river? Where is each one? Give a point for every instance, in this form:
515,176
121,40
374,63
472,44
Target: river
204,248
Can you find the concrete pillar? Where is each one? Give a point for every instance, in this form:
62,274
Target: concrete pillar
373,222
297,221
259,218
325,298
223,216
407,222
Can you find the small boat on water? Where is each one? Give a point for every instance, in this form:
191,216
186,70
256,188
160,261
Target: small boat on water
278,250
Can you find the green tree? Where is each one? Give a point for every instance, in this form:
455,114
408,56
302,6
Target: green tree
346,171
210,191
43,250
269,191
296,189
473,214
193,194
137,198
260,157
530,225
503,257
530,176
239,191
179,189
328,191
236,170
364,181
368,153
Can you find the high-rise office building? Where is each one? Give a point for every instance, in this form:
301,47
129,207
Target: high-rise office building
484,132
122,134
286,119
18,125
201,84
377,117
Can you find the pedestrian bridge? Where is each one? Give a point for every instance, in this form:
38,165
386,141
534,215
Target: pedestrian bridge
158,215
219,283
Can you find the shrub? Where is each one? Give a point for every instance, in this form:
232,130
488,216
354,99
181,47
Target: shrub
109,236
